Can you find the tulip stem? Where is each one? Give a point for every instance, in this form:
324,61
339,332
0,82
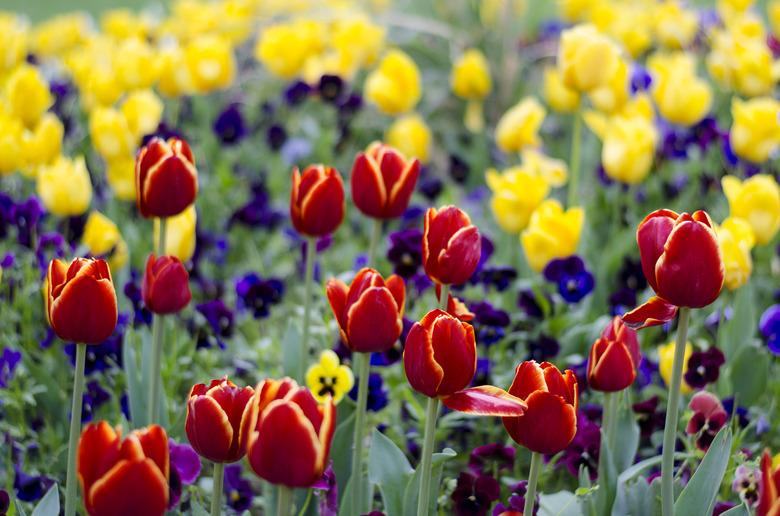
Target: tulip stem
161,237
311,246
610,415
533,479
431,413
672,413
284,500
376,235
574,163
445,297
362,367
155,381
216,494
75,429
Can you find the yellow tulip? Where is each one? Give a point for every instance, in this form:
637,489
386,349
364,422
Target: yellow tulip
179,234
110,133
175,76
102,88
136,64
120,173
516,194
681,97
64,187
613,94
410,135
742,63
13,41
773,12
551,233
394,86
285,47
27,94
731,7
329,378
574,11
11,138
59,34
757,201
755,132
333,62
736,239
359,37
470,77
558,96
42,145
519,127
675,26
629,23
123,24
554,171
587,58
102,238
210,62
628,145
666,363
143,111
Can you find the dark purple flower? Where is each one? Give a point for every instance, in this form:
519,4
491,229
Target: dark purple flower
184,459
543,348
712,322
430,186
482,373
258,294
528,303
165,130
30,488
498,276
28,215
516,500
330,88
573,279
229,126
296,92
473,495
674,145
132,290
327,491
276,136
706,132
258,210
704,367
219,319
583,449
50,246
631,275
649,416
491,458
721,507
742,413
94,396
489,322
459,169
405,252
350,104
377,393
640,79
238,490
7,218
622,300
5,502
769,325
9,359
746,484
708,418
106,355
728,152
675,186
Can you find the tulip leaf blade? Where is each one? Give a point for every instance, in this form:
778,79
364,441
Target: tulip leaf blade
390,470
562,503
741,327
136,395
412,491
698,497
749,373
341,450
292,361
739,510
624,448
49,504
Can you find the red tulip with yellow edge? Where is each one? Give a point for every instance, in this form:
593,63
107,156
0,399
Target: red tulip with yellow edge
383,180
317,200
123,477
451,246
166,285
614,358
769,488
166,180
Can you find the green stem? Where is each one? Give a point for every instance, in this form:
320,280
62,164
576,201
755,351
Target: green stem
574,165
158,330
284,501
672,414
305,503
362,366
445,297
610,415
431,413
376,235
311,247
161,237
216,494
75,429
533,479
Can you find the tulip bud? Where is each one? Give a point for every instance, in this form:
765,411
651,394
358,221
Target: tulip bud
288,433
550,419
369,311
317,200
451,246
165,178
383,181
123,476
614,358
215,417
166,288
81,301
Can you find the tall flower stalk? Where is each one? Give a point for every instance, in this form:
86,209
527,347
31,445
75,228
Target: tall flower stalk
158,334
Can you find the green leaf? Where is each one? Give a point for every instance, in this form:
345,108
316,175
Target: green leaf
341,452
624,448
19,509
739,510
411,494
562,503
622,505
49,504
136,396
389,469
739,330
748,373
698,497
292,361
197,509
608,477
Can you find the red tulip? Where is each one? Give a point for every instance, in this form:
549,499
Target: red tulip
369,311
614,358
383,181
166,287
317,200
81,301
451,246
681,260
123,477
215,417
550,421
769,488
455,306
166,180
288,433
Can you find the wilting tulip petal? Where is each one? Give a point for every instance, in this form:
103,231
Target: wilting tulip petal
653,312
485,400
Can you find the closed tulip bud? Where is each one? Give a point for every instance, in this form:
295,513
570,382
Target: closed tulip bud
586,58
64,186
551,233
411,136
81,301
550,419
289,434
666,364
42,145
613,94
175,78
383,181
755,133
628,148
451,246
216,415
166,287
284,48
136,64
614,358
180,233
317,200
394,86
369,311
519,126
675,26
120,174
166,180
757,201
123,477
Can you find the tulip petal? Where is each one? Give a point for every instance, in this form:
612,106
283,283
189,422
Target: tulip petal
769,492
327,429
368,188
485,400
454,349
613,370
563,384
97,452
403,189
395,284
322,209
336,291
458,261
548,425
373,322
154,442
651,235
131,488
529,377
311,409
169,187
422,371
208,428
653,312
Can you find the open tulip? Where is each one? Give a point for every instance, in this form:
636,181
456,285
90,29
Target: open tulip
769,488
165,177
369,311
166,288
288,433
757,201
383,181
451,245
215,418
123,477
317,200
614,358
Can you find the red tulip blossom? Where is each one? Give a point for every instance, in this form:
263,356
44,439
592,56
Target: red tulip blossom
166,180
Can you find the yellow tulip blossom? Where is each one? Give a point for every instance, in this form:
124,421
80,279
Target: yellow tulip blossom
175,76
628,145
755,132
13,41
359,37
27,94
284,48
553,171
42,145
757,201
64,186
587,58
179,234
136,64
102,238
742,63
57,35
210,62
143,111
682,97
575,11
736,239
558,96
629,23
666,363
551,233
11,138
110,133
470,77
123,24
519,126
516,194
329,378
675,26
394,86
120,173
410,135
612,95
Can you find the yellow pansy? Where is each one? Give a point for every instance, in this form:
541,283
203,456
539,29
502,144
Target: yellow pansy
558,96
102,238
519,126
64,186
13,41
27,94
736,239
553,171
175,77
328,378
285,47
682,97
179,234
120,173
211,63
136,64
666,363
613,94
516,194
587,58
110,133
60,34
675,26
410,135
43,144
757,201
394,86
755,133
551,233
142,110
